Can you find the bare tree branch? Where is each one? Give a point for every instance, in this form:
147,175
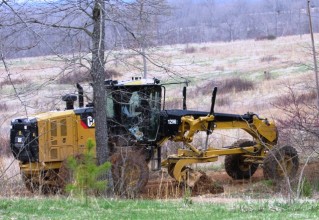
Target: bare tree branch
13,86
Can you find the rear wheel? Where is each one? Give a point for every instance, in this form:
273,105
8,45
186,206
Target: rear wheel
281,162
235,165
130,173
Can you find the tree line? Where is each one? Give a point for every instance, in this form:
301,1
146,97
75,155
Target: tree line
142,24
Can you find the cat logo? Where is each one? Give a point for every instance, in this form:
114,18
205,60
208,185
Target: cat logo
90,122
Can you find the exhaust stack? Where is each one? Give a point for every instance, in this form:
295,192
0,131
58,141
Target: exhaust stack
184,98
69,99
80,94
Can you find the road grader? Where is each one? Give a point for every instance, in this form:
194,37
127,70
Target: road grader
138,127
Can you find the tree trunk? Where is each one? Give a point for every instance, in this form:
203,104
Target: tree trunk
98,81
98,49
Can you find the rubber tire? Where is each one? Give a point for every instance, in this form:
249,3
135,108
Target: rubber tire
41,188
234,165
31,186
272,169
129,163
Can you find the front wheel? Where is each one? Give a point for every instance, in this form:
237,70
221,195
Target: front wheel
281,162
235,164
43,182
31,185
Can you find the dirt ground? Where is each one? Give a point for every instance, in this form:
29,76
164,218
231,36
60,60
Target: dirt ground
217,186
217,183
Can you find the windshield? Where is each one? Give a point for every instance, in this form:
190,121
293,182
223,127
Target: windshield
136,108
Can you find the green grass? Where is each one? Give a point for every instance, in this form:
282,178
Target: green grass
235,60
58,208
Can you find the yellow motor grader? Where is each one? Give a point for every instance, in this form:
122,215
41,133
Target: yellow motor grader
138,127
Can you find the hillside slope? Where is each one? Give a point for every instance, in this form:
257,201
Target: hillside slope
34,84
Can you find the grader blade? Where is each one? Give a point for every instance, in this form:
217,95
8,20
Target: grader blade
184,174
178,166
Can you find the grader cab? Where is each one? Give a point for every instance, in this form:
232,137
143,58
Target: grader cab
138,127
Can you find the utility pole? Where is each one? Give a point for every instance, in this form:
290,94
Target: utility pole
313,53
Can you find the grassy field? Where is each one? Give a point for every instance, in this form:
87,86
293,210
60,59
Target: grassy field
121,209
38,80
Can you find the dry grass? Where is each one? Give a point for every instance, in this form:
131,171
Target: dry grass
5,145
9,170
11,183
83,76
268,37
237,68
268,59
8,82
189,50
230,85
306,98
3,107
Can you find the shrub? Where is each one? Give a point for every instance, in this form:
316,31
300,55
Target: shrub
189,50
87,174
227,86
268,58
223,101
82,76
304,98
306,188
267,37
187,200
204,49
271,37
236,85
77,76
219,68
8,82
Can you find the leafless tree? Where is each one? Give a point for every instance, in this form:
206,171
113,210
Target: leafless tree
64,17
187,22
298,127
82,24
141,19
